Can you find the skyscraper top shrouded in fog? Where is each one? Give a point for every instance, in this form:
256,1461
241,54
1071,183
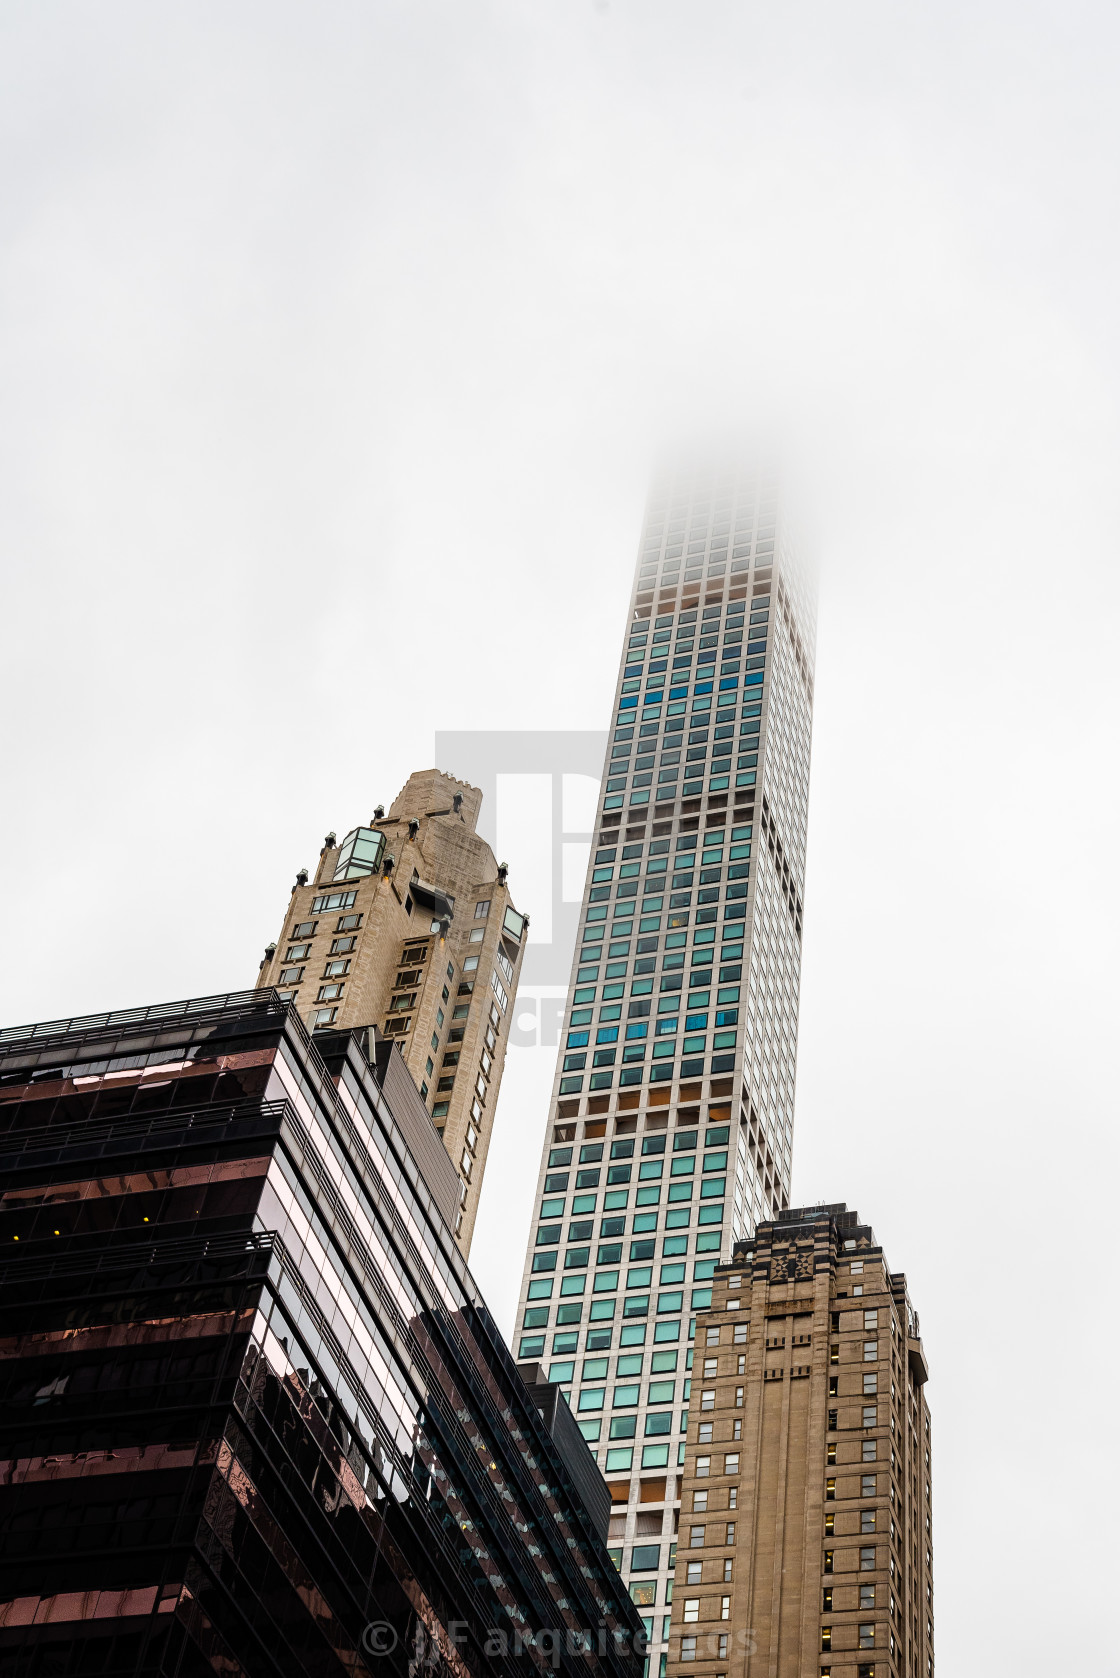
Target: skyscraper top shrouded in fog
408,925
672,1112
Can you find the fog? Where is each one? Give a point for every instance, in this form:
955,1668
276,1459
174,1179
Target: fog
336,347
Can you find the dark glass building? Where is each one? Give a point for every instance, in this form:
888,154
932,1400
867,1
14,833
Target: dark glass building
256,1417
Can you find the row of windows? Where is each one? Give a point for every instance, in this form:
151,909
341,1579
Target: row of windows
695,753
710,844
700,556
701,553
704,938
704,693
731,618
301,933
648,728
688,621
649,1171
709,623
695,758
658,525
713,558
641,994
623,1146
678,675
628,1366
595,929
691,619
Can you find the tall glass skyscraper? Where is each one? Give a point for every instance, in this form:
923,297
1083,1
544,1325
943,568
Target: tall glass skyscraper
672,1113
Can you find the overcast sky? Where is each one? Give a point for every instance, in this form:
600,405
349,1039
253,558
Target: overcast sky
336,343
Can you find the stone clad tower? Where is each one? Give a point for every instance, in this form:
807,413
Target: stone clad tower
408,926
806,1525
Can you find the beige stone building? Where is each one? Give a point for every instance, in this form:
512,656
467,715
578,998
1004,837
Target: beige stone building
408,926
805,1543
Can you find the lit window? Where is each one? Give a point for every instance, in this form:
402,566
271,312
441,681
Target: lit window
691,1610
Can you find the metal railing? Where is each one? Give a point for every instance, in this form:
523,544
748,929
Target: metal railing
235,1003
129,1132
147,1254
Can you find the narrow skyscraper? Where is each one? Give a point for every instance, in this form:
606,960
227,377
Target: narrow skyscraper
409,926
672,1113
806,1528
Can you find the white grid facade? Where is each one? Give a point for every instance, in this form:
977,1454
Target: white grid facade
672,1109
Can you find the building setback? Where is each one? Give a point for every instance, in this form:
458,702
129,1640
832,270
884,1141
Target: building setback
256,1418
806,1526
671,1125
409,925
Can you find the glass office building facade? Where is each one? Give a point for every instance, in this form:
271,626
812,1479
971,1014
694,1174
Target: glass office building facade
256,1416
671,1126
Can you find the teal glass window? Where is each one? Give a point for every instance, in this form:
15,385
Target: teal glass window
360,854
